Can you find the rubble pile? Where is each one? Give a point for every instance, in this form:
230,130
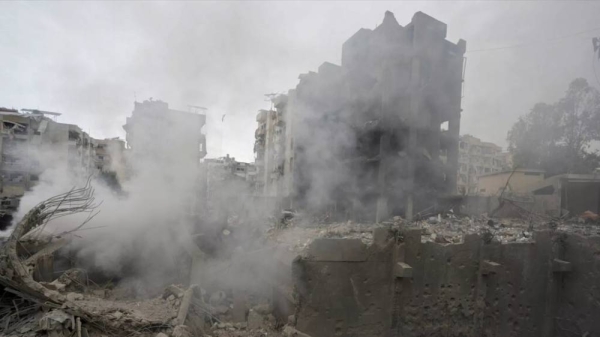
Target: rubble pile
444,229
452,229
297,237
36,303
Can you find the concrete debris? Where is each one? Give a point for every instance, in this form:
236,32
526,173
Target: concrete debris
589,216
54,320
452,229
181,331
297,238
289,331
263,309
173,291
217,298
100,293
74,297
255,320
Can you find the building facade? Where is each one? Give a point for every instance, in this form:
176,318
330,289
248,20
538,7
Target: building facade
154,131
364,138
517,182
477,158
164,147
31,143
270,147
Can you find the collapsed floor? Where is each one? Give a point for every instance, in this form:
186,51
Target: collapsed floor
444,275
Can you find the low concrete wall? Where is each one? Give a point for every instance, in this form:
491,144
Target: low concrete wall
399,286
345,290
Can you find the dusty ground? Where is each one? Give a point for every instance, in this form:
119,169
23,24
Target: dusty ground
155,310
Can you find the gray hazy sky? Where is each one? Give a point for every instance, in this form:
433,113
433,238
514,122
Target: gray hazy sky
88,59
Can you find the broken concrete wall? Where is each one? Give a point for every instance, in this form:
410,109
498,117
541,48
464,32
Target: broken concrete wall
579,290
439,297
515,295
344,289
402,287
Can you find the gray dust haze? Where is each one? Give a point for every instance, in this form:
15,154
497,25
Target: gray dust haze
90,60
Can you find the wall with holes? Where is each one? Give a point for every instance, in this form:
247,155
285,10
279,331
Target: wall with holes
399,286
578,292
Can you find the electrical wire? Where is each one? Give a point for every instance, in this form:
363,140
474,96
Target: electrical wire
520,45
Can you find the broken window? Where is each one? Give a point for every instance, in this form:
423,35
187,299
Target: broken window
73,135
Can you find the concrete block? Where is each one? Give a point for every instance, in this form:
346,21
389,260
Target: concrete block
337,250
490,267
381,236
403,270
560,266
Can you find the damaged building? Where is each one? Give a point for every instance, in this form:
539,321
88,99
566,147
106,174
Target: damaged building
169,142
33,141
155,130
366,138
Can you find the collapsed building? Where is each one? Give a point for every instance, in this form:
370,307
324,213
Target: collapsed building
33,142
366,138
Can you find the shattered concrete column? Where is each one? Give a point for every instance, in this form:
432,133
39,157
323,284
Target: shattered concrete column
456,79
415,99
382,199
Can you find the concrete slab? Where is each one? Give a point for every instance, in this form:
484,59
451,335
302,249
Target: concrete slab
337,250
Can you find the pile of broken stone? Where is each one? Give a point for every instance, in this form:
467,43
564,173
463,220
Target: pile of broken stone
451,229
446,228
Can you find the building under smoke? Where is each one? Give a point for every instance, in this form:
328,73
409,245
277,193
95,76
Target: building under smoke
30,143
375,136
166,145
155,131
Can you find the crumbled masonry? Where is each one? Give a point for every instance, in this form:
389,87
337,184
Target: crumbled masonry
358,267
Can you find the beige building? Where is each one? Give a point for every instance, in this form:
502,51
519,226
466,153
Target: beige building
477,158
517,182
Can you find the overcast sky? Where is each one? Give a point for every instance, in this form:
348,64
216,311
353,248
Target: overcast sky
89,60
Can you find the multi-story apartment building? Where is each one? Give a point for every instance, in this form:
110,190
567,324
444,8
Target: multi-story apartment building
166,146
270,147
365,138
477,158
110,157
156,132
